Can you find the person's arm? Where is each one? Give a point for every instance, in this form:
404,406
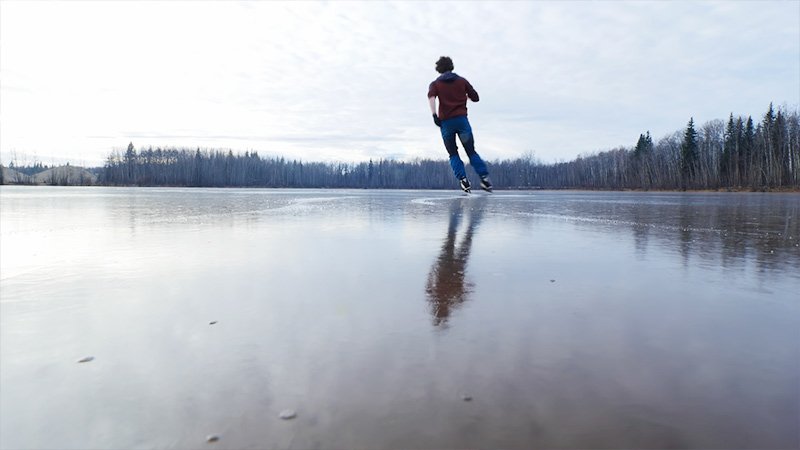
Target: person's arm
472,93
432,101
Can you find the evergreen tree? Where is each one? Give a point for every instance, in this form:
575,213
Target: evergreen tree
778,144
746,150
644,146
689,152
767,150
130,163
729,151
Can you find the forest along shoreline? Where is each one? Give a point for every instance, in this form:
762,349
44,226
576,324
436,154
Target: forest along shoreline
738,156
78,176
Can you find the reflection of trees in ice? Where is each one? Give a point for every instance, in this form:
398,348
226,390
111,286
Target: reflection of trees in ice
731,230
448,286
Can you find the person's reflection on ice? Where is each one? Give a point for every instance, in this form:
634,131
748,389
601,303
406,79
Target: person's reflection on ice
447,286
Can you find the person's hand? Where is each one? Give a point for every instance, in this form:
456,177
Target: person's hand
437,121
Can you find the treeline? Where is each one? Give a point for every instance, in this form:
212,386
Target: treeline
216,168
739,154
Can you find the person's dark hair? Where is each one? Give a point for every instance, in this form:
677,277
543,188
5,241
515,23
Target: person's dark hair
444,64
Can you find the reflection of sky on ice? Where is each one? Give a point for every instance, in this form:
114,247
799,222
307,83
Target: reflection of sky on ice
594,313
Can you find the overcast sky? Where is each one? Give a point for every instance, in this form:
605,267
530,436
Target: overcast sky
347,81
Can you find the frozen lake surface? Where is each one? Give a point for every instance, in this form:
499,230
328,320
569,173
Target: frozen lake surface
398,319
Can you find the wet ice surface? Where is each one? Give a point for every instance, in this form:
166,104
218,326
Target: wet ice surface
398,319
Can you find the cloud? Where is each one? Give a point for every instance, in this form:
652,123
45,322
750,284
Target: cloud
347,80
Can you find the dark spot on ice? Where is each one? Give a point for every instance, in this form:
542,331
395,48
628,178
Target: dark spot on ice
212,438
86,359
552,281
287,414
212,323
466,398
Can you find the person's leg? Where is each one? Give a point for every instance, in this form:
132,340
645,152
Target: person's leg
467,139
458,167
479,165
449,137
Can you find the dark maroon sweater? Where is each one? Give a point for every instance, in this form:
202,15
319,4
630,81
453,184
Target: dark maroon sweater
452,91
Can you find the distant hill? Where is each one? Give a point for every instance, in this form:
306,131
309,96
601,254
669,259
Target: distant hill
11,176
59,176
65,176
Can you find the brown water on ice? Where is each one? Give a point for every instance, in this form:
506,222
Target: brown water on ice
398,319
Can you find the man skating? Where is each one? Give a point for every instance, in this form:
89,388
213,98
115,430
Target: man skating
453,92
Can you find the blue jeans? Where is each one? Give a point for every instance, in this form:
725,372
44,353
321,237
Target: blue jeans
460,126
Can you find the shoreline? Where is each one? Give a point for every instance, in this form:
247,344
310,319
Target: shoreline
776,190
